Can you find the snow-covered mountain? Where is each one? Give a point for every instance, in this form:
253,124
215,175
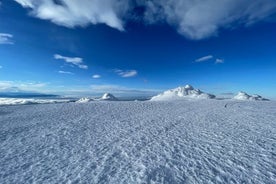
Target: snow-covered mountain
84,100
182,93
109,97
244,96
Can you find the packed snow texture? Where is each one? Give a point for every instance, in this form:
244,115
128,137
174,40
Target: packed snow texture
244,96
25,101
182,93
108,96
197,141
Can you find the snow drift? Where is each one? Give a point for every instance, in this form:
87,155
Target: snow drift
182,93
109,97
244,96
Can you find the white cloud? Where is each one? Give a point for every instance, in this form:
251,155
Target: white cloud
199,19
6,38
126,73
195,19
77,61
65,72
205,58
71,13
218,61
96,76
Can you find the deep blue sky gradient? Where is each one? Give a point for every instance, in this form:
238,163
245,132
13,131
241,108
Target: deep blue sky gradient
163,58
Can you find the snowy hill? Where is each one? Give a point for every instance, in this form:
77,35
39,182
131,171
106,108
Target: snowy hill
84,100
182,93
109,97
244,96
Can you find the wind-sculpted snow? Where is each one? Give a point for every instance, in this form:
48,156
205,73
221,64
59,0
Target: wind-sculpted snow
209,141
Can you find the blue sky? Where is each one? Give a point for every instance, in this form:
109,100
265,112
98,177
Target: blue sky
138,47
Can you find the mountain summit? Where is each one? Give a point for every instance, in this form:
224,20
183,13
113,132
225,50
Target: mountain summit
182,93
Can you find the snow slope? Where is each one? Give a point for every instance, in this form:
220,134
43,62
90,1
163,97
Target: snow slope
26,101
109,97
182,93
244,96
208,141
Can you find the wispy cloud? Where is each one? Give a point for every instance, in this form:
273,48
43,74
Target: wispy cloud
65,72
199,19
219,61
126,73
205,58
77,61
71,13
96,76
195,19
21,85
6,38
117,89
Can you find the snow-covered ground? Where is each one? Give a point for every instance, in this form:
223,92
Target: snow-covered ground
208,141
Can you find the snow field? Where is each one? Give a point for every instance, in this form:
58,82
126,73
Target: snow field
208,141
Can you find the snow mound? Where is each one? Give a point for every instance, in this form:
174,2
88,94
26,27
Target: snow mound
182,93
109,97
27,101
244,96
84,100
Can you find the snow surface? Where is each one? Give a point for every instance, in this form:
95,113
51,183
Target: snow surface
108,96
187,92
25,101
202,141
84,100
244,96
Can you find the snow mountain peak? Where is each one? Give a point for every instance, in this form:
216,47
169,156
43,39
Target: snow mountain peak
108,96
188,86
244,96
182,93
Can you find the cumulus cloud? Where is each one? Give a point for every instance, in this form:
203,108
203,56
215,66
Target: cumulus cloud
6,38
76,61
205,58
65,72
195,19
126,73
71,13
96,76
219,61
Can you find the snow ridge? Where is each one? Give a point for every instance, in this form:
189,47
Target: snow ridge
182,93
244,96
84,100
28,101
